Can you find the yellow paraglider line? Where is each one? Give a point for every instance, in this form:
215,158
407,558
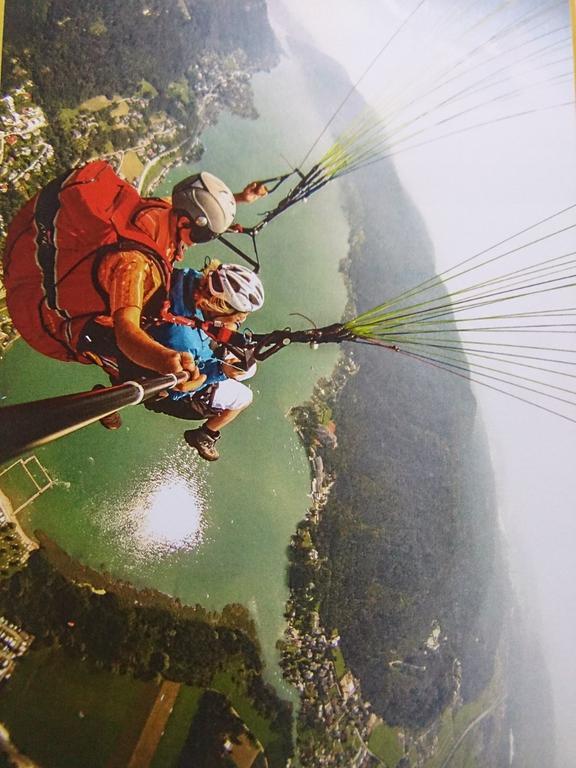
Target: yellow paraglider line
456,91
372,136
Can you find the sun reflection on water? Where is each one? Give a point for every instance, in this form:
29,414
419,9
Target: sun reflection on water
162,515
172,515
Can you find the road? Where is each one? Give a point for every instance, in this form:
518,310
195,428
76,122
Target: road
467,730
154,726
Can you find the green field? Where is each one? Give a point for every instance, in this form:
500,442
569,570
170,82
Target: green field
154,172
131,166
455,721
177,728
64,713
227,683
384,744
147,89
96,103
339,663
121,109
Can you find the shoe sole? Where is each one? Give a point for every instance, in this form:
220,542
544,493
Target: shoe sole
112,422
198,451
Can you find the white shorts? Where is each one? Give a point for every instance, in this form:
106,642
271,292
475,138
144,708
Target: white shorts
231,395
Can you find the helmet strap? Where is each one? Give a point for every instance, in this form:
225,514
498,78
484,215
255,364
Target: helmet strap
253,263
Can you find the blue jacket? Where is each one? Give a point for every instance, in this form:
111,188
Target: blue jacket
182,338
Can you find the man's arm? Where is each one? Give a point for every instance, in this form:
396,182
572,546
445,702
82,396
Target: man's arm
128,277
251,192
139,347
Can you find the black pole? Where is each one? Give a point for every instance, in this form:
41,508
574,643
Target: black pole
29,425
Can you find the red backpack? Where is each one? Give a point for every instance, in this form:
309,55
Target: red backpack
54,247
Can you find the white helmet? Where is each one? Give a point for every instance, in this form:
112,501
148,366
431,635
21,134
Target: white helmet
237,286
207,201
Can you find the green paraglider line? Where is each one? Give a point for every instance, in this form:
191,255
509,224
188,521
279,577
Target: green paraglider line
493,298
447,275
2,4
361,78
391,319
479,64
466,375
371,138
380,157
381,126
446,76
390,141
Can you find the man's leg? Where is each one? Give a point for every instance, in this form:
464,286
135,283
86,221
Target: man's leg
230,399
98,343
220,420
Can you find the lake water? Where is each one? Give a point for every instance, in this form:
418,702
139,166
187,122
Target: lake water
139,502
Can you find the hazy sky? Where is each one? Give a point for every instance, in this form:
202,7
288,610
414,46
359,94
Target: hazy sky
473,190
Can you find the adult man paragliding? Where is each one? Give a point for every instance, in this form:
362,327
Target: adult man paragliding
87,253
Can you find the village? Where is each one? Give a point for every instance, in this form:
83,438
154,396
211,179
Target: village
141,142
16,546
122,130
21,139
14,642
335,723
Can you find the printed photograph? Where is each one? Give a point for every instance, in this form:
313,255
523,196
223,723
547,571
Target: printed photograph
287,384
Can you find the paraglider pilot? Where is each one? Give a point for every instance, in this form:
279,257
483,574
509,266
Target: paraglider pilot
89,268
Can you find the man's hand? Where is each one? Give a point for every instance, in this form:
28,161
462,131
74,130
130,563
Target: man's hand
186,362
176,362
144,351
232,371
251,192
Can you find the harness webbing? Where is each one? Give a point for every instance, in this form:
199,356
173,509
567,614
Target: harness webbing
216,331
45,212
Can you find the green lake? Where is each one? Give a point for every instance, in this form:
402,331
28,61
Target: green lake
138,502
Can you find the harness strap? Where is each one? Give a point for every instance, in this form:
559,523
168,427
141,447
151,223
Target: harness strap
220,333
45,212
237,343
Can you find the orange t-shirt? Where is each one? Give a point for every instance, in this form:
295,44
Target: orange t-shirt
130,278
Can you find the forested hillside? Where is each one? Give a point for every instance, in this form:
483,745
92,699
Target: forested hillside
409,532
411,574
75,50
141,78
148,636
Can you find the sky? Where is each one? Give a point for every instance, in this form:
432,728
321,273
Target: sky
473,190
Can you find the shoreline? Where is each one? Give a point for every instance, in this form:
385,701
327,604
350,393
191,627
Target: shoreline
330,699
188,144
7,510
233,615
